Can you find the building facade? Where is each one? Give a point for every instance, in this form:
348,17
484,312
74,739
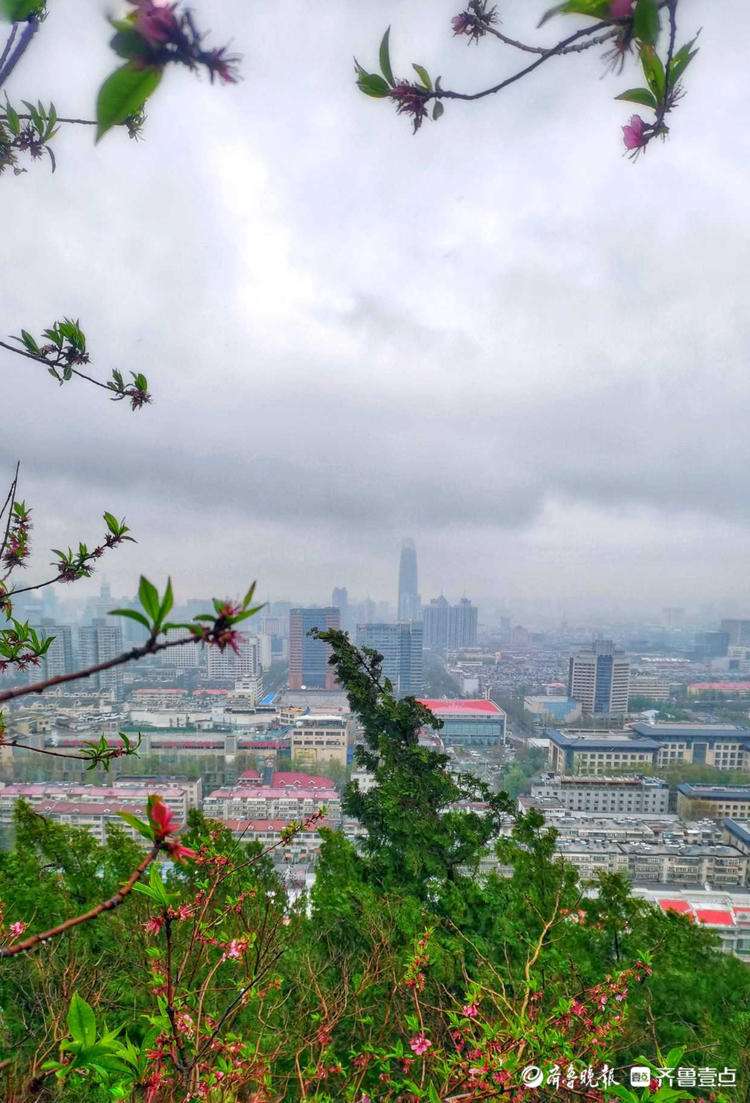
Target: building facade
713,801
318,739
600,678
308,657
478,723
449,627
97,643
598,793
409,603
579,751
401,647
723,746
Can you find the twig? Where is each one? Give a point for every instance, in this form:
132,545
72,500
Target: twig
47,364
99,909
32,26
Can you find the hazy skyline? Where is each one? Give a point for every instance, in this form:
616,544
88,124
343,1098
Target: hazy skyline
498,337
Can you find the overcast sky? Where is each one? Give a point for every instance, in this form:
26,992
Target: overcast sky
498,337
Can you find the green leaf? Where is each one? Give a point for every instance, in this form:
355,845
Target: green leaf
638,95
16,10
14,123
81,1021
133,614
167,602
598,9
423,75
127,43
680,61
646,21
385,58
124,93
146,891
148,596
141,827
653,71
373,85
437,110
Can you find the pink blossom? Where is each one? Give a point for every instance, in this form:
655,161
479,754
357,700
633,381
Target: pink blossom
420,1044
577,1008
154,22
470,1011
180,853
632,134
162,818
17,929
154,924
621,9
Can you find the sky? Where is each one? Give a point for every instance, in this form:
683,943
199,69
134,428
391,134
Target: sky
498,336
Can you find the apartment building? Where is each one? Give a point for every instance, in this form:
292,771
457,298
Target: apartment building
599,793
318,739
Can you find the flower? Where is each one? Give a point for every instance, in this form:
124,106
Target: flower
577,1007
162,818
156,23
410,100
223,65
632,134
420,1044
180,853
154,924
17,929
621,9
470,1011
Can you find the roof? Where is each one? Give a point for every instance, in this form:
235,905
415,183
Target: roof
722,687
680,906
293,779
703,732
712,917
714,792
603,740
459,706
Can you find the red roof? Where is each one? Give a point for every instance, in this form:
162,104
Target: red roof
251,774
681,906
459,705
715,918
296,780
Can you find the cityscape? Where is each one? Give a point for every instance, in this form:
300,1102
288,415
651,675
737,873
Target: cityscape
636,750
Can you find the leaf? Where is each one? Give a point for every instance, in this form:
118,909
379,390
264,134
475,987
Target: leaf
148,596
598,9
81,1021
437,110
385,58
638,95
141,827
16,10
372,85
146,891
28,340
14,123
124,93
646,21
167,602
133,614
423,75
680,61
653,70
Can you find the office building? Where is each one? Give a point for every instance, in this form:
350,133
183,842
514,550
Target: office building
449,627
578,751
308,657
713,802
234,665
599,678
553,709
97,643
59,658
606,795
737,630
479,723
318,739
401,647
409,604
724,746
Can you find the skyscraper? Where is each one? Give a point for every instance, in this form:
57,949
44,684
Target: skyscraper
449,627
599,679
59,658
401,647
308,657
97,643
409,605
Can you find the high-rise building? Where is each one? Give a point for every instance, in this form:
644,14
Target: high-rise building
59,658
308,657
449,627
599,679
409,605
738,630
235,665
401,647
97,643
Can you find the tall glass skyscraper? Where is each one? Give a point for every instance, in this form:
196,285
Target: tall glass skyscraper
401,648
409,605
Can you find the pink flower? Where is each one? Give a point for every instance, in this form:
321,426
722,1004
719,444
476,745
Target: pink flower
156,23
577,1008
180,853
420,1044
632,134
17,929
162,818
154,924
470,1010
621,9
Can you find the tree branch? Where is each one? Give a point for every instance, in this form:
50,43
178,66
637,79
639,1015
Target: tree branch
32,26
47,364
107,905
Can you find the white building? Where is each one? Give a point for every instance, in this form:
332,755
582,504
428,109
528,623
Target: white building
320,738
600,678
627,795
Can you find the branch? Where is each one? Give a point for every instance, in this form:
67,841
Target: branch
47,364
8,504
151,647
32,26
553,51
8,45
575,49
107,905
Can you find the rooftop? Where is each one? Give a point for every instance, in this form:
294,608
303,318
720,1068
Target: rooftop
460,706
714,792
